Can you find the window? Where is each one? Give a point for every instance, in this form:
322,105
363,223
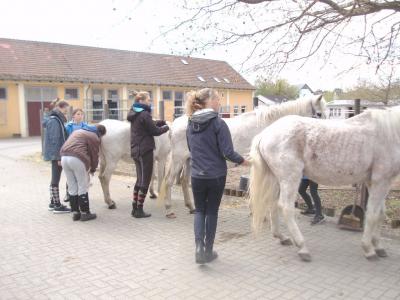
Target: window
201,78
39,94
216,79
236,110
226,80
243,109
331,112
340,112
71,93
3,94
167,95
184,61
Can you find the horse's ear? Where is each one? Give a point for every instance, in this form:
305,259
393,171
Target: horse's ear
318,99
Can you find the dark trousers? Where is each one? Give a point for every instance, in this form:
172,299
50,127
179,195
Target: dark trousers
55,173
207,194
144,171
305,183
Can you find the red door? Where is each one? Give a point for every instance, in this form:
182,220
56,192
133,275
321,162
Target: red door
34,117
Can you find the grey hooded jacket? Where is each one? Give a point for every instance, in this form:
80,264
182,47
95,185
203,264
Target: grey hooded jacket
55,135
210,145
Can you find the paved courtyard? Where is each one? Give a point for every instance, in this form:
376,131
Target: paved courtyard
47,256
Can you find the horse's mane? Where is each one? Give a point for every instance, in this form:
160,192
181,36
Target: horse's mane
267,115
387,122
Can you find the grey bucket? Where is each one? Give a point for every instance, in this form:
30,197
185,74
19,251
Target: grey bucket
244,183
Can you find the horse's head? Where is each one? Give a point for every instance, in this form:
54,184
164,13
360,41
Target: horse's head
318,106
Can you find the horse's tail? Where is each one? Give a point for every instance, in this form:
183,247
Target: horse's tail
263,187
163,188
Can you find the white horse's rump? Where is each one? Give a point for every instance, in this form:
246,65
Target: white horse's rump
115,145
243,128
363,149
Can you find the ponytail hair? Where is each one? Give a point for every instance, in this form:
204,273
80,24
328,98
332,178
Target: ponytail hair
141,96
196,100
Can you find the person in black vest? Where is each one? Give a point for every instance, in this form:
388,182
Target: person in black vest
210,145
143,130
55,136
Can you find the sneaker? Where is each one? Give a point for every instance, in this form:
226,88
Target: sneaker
61,209
51,206
308,212
318,220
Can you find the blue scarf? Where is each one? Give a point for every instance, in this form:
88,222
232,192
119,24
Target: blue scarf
139,107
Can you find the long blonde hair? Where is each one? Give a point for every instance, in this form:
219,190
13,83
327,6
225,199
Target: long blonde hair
196,100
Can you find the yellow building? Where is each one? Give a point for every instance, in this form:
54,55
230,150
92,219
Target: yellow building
100,81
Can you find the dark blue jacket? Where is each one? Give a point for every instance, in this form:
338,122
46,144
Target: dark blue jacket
210,145
55,135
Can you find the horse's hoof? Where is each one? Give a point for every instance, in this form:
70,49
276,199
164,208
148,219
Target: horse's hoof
372,257
192,211
171,216
381,252
112,206
305,256
154,196
286,242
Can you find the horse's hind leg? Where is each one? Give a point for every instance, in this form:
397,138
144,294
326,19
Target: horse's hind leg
107,167
374,216
287,198
284,240
153,194
185,187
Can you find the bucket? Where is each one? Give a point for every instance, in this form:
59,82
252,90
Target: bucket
244,183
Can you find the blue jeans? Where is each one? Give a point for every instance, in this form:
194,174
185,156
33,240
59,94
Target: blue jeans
207,194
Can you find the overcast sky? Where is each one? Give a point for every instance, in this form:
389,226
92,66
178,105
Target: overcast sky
131,25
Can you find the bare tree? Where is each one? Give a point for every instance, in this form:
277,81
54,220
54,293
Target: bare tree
272,34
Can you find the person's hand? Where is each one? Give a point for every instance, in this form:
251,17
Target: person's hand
165,127
160,123
245,163
59,163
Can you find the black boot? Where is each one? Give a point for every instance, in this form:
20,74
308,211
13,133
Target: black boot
199,229
134,208
211,228
76,214
140,213
199,254
86,215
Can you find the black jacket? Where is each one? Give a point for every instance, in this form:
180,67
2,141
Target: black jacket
210,144
143,130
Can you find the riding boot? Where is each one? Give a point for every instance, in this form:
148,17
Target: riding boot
139,212
135,200
73,201
211,228
199,224
86,215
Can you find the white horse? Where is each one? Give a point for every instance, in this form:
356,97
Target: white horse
115,145
363,149
243,128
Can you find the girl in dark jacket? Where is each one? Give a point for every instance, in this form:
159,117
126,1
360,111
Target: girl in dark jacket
143,130
55,136
210,145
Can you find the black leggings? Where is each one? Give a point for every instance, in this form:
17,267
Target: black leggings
55,173
305,183
144,171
